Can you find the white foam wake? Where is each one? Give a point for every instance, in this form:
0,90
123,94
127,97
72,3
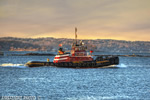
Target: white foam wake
121,66
116,66
12,65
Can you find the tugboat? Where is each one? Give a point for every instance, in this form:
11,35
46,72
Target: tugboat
77,58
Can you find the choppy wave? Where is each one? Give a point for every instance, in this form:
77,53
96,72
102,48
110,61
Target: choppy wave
12,65
99,98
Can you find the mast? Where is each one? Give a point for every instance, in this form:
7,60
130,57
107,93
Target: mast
76,35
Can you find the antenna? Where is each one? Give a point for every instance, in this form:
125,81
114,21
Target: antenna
76,35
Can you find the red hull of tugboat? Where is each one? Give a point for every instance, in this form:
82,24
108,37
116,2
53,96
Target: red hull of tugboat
99,63
67,58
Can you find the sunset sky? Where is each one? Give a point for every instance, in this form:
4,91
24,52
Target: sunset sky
95,19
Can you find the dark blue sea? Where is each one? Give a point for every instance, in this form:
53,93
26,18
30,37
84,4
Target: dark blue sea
130,80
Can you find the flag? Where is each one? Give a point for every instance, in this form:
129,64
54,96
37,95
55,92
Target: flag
60,45
91,51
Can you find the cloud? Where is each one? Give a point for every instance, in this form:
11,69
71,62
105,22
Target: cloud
104,18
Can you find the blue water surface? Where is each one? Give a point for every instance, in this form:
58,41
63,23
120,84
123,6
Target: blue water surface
128,81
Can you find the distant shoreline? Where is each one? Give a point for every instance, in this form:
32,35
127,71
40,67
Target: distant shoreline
51,44
51,54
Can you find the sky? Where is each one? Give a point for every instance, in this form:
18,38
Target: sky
95,19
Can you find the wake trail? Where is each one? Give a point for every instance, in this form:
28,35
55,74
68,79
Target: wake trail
13,65
121,65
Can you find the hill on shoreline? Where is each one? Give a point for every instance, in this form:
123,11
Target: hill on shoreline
51,44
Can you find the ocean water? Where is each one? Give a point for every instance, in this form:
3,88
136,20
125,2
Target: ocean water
130,80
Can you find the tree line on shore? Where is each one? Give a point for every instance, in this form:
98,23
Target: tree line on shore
51,44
